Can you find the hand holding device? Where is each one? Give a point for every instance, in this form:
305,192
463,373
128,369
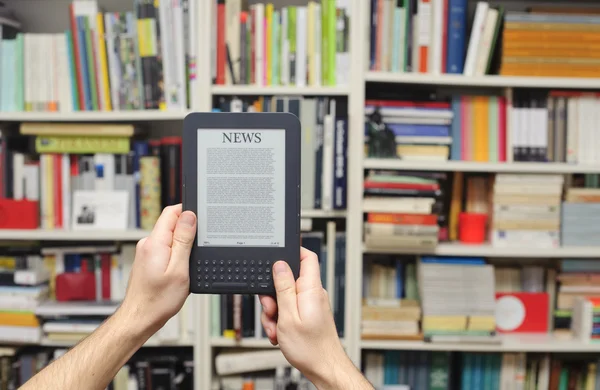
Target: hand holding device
301,322
159,280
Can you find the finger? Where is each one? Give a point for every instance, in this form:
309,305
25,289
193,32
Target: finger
162,233
269,306
183,239
285,287
270,328
310,271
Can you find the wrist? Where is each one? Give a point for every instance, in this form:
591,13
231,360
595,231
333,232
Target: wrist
134,325
340,374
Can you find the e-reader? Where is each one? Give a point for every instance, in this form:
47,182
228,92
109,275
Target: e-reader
242,179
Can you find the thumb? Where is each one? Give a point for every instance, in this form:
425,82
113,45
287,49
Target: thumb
183,239
285,287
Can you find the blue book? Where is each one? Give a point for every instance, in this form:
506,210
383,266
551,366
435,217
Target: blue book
340,163
403,129
81,46
453,260
455,152
457,36
467,368
373,40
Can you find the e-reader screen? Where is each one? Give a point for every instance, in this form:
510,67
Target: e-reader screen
241,187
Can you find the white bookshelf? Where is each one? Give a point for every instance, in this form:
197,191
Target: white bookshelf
71,235
204,345
513,343
278,90
94,116
469,166
456,249
150,343
483,81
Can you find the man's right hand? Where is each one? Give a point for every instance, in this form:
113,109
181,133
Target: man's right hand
301,322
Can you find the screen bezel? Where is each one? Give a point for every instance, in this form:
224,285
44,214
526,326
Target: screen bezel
209,121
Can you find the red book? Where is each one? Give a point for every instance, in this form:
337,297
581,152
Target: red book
402,186
522,312
502,130
58,199
221,52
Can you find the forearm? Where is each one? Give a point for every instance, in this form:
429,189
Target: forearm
94,362
343,376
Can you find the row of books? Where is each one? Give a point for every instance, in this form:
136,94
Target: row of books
324,148
146,370
239,316
63,167
62,294
551,41
106,61
452,370
295,45
424,36
554,126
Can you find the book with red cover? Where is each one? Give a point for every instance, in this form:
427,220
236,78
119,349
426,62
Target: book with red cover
522,312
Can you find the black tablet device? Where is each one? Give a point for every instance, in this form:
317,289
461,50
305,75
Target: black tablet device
242,179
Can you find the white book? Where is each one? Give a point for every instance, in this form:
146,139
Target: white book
308,118
31,277
415,43
69,327
20,334
233,9
385,37
65,98
342,57
114,66
259,44
476,33
258,328
18,176
318,42
424,37
573,130
285,49
165,17
485,47
437,37
301,46
237,363
328,159
390,112
180,78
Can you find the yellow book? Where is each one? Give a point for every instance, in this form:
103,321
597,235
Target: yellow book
481,129
48,192
82,145
455,205
106,104
7,262
50,264
8,318
590,383
269,32
310,45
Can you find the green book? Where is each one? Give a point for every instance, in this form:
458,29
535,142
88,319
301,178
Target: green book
215,316
439,375
331,46
72,72
324,42
82,144
89,48
275,49
292,42
20,76
493,128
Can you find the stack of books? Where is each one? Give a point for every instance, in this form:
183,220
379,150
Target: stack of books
390,300
586,316
295,45
549,44
457,298
23,285
420,129
578,278
526,210
403,209
580,215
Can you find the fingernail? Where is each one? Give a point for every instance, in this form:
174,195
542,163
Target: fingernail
187,218
280,267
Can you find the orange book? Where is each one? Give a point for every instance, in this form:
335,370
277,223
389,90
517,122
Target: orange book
8,318
481,128
403,219
551,36
424,38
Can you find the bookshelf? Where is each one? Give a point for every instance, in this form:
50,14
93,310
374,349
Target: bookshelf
205,345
